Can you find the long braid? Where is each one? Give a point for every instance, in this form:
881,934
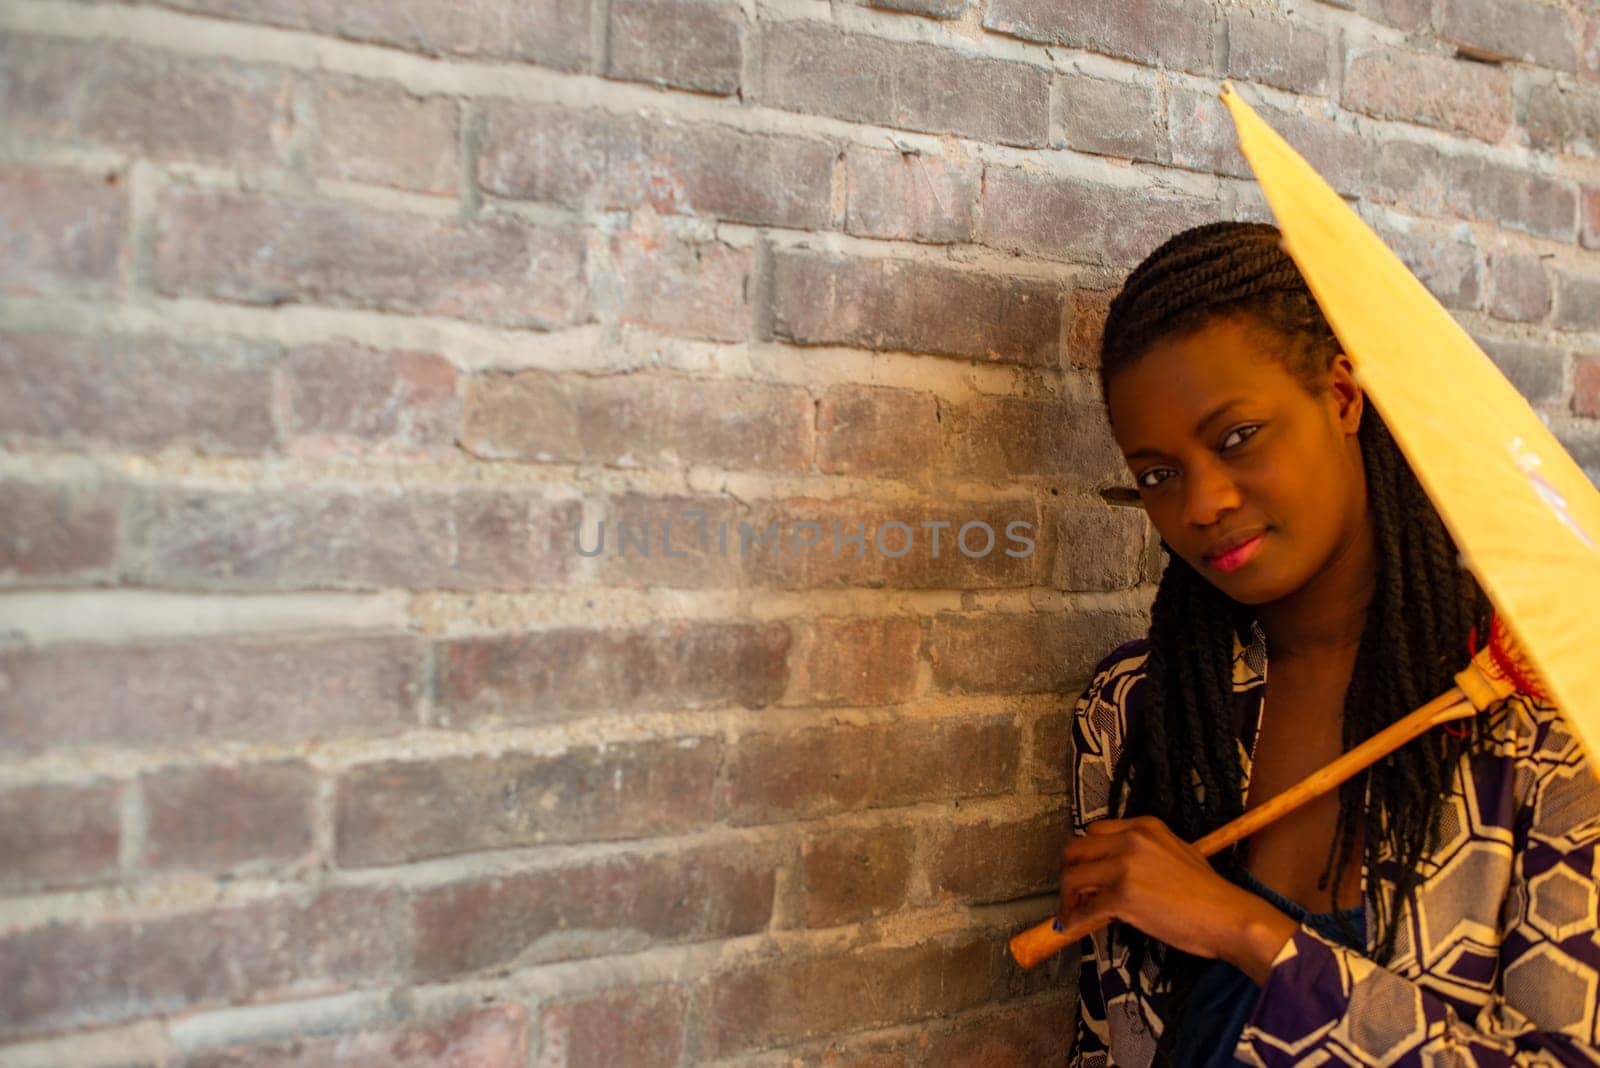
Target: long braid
1413,641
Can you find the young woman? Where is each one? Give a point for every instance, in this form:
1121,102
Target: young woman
1439,908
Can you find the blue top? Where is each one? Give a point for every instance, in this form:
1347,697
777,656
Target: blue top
1224,997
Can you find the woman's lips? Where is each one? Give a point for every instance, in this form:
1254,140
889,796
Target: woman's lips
1236,558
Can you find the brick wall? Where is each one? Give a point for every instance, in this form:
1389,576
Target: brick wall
326,323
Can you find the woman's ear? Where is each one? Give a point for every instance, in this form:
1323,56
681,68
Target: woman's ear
1348,397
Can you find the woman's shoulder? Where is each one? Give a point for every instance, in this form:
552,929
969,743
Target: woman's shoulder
1112,681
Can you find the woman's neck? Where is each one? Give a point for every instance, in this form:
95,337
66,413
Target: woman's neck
1324,620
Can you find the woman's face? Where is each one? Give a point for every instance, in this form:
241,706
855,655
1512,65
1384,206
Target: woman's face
1224,443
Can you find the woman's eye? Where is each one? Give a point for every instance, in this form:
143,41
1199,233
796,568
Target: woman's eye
1240,429
1143,479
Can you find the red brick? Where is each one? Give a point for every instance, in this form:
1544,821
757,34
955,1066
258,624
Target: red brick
644,541
346,398
1158,33
1542,205
617,904
1418,178
910,195
377,132
1519,288
1438,91
1066,219
58,835
268,249
998,859
597,160
1112,119
897,544
1013,653
690,288
67,531
687,44
876,430
1088,308
314,537
1406,14
141,392
813,68
914,306
404,810
1509,30
788,1000
1029,1034
547,675
998,436
855,661
553,33
934,9
95,93
184,692
218,818
1277,52
1590,210
1052,733
641,1027
60,230
1099,549
78,974
638,420
848,875
1535,369
813,772
1560,119
1203,137
1450,267
494,1037
1586,386
1577,301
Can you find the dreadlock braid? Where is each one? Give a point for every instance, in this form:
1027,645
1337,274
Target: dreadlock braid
1415,637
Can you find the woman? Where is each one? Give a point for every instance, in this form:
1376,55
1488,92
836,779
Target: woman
1439,908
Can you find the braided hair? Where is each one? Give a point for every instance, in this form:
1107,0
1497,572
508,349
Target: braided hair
1416,635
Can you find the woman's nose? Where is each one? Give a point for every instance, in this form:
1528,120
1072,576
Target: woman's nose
1209,492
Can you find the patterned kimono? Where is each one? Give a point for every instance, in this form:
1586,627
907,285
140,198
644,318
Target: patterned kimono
1499,963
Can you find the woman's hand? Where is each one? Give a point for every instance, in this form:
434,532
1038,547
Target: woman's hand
1139,872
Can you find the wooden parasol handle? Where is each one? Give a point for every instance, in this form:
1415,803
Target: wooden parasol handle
1043,941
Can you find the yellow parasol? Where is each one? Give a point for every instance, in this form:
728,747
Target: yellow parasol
1523,514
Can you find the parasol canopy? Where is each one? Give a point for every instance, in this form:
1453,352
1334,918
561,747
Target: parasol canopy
1523,514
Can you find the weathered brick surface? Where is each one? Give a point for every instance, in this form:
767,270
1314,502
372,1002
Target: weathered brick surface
1577,301
90,93
83,973
636,1026
1586,386
342,397
1099,548
998,860
1505,30
554,33
1519,288
217,818
494,1037
56,532
548,674
910,195
852,874
914,306
1534,368
1111,119
1432,90
646,540
373,132
820,771
1162,33
1451,269
1020,652
282,689
59,835
687,44
593,159
809,67
637,420
1277,52
144,392
855,661
61,231
1203,138
693,288
588,909
404,810
1559,119
274,249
